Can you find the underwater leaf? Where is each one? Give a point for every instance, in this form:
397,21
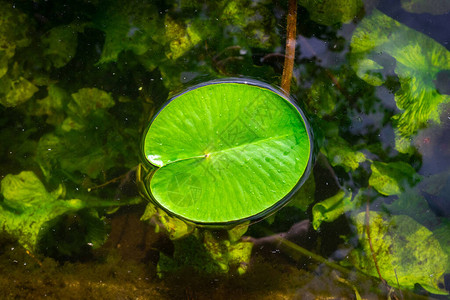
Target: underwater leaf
28,206
442,234
87,100
64,153
367,70
322,98
435,7
72,235
15,91
437,185
88,106
205,254
330,12
332,208
180,39
23,190
407,253
14,31
419,59
53,105
339,153
239,255
392,178
131,26
235,233
60,44
305,195
250,22
220,160
174,227
35,217
226,253
88,123
411,203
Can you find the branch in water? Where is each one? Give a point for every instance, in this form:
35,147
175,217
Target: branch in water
290,47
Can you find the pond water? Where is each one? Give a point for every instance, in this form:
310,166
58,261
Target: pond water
81,80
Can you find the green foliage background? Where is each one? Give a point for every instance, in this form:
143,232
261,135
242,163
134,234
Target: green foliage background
79,82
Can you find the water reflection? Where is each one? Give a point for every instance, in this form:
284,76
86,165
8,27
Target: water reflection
373,88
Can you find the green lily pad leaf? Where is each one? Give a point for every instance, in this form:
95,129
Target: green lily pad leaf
419,59
227,151
407,253
329,12
434,7
332,208
392,178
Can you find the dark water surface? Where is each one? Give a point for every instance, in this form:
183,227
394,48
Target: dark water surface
81,80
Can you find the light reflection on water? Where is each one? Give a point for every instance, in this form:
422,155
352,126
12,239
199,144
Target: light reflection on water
132,251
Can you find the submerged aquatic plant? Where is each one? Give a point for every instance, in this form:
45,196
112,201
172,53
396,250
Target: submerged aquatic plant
78,89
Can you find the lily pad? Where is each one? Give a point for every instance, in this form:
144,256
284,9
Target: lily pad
228,151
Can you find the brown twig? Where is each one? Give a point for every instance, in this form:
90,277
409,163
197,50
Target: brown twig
374,257
108,182
290,47
34,257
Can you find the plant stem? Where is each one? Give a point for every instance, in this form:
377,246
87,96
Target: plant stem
312,255
291,36
374,257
